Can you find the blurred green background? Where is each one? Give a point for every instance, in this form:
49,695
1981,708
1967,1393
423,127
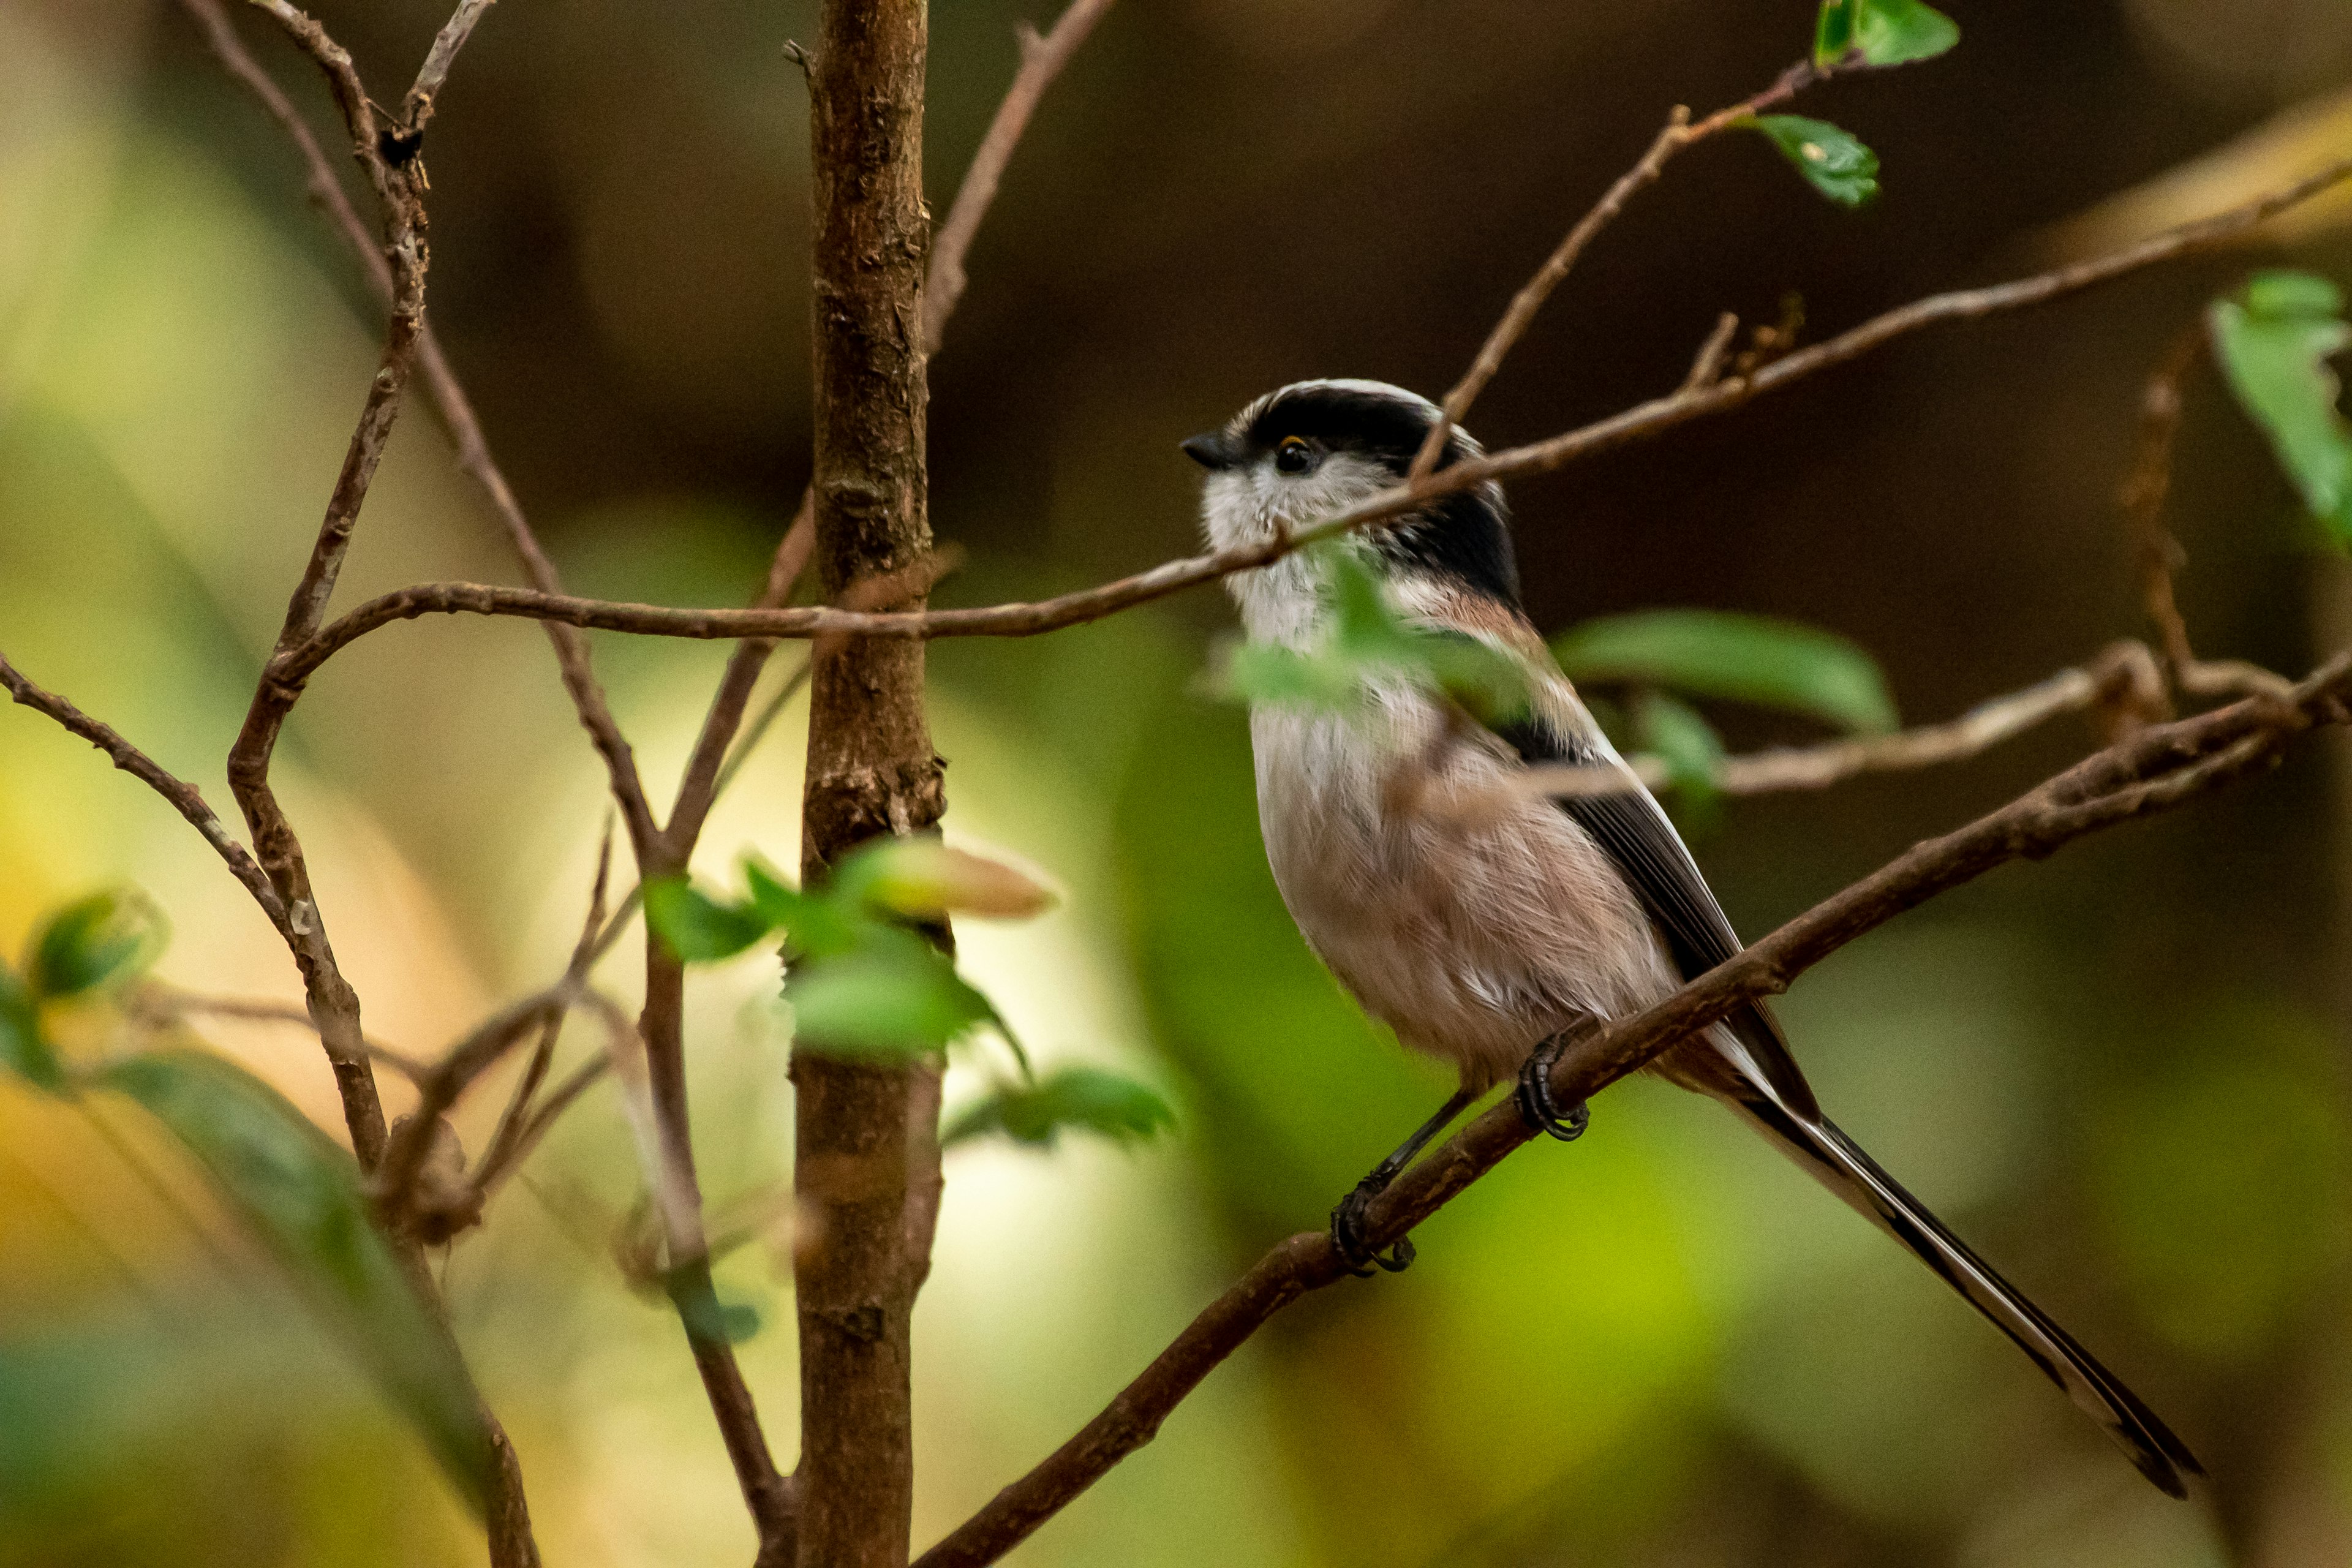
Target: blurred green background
2122,1074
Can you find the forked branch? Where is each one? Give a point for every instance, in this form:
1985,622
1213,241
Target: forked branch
1640,422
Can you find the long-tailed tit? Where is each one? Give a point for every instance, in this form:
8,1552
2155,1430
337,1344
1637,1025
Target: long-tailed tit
1495,934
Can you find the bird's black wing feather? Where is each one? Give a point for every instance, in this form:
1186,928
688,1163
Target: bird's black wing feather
1632,829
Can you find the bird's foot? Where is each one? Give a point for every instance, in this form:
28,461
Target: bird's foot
1538,1107
1347,1234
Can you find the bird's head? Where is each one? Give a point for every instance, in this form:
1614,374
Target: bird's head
1312,450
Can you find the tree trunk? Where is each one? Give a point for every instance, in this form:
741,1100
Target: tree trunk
860,1177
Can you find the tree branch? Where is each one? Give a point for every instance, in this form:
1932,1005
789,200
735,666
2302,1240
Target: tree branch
457,410
2123,677
185,797
1017,620
1679,134
2153,771
1042,60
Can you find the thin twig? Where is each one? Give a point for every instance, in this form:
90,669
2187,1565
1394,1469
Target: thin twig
1678,133
2157,769
185,797
162,1003
2123,677
417,109
2144,493
1017,620
1707,366
1042,60
473,454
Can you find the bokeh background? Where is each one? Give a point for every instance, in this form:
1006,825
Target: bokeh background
2122,1073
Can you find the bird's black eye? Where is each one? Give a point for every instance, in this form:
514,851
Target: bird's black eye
1294,455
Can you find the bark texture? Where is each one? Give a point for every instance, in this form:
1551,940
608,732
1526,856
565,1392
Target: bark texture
862,1181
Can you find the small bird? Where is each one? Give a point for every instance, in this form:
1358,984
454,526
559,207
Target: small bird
1495,934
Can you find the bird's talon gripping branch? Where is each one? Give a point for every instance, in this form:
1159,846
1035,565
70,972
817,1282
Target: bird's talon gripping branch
1536,1105
1348,1235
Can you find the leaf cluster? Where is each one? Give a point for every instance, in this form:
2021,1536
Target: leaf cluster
1850,35
864,982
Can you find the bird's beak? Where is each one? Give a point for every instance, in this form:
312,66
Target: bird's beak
1212,451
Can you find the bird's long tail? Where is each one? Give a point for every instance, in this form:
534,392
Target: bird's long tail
1838,1163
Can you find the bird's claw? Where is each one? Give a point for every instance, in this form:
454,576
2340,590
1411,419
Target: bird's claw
1348,1235
1536,1105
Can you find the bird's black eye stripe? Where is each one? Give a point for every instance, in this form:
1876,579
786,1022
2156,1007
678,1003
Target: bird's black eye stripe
1294,455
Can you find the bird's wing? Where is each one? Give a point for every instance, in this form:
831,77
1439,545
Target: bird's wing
1747,1053
1633,830
1746,1062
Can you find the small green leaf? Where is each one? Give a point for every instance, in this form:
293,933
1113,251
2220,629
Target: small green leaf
2274,348
1080,1099
300,1194
23,1049
1897,32
1888,32
1830,159
1367,642
827,921
1676,733
1746,658
893,994
2293,294
712,1320
101,939
1833,32
698,929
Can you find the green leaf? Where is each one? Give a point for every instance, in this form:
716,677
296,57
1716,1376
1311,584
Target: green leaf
1831,161
1834,31
1888,32
1080,1099
1675,732
23,1049
2274,347
102,940
711,1319
299,1192
698,929
892,995
1746,658
1367,641
816,924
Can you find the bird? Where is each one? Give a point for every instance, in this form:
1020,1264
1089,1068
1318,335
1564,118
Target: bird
1487,923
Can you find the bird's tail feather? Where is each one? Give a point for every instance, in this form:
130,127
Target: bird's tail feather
1838,1163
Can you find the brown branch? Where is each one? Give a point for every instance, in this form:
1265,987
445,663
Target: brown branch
2153,771
457,410
2144,493
1042,60
2124,679
1679,134
1017,620
394,1178
159,1003
871,772
1707,366
417,109
185,797
332,1002
398,180
505,1154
